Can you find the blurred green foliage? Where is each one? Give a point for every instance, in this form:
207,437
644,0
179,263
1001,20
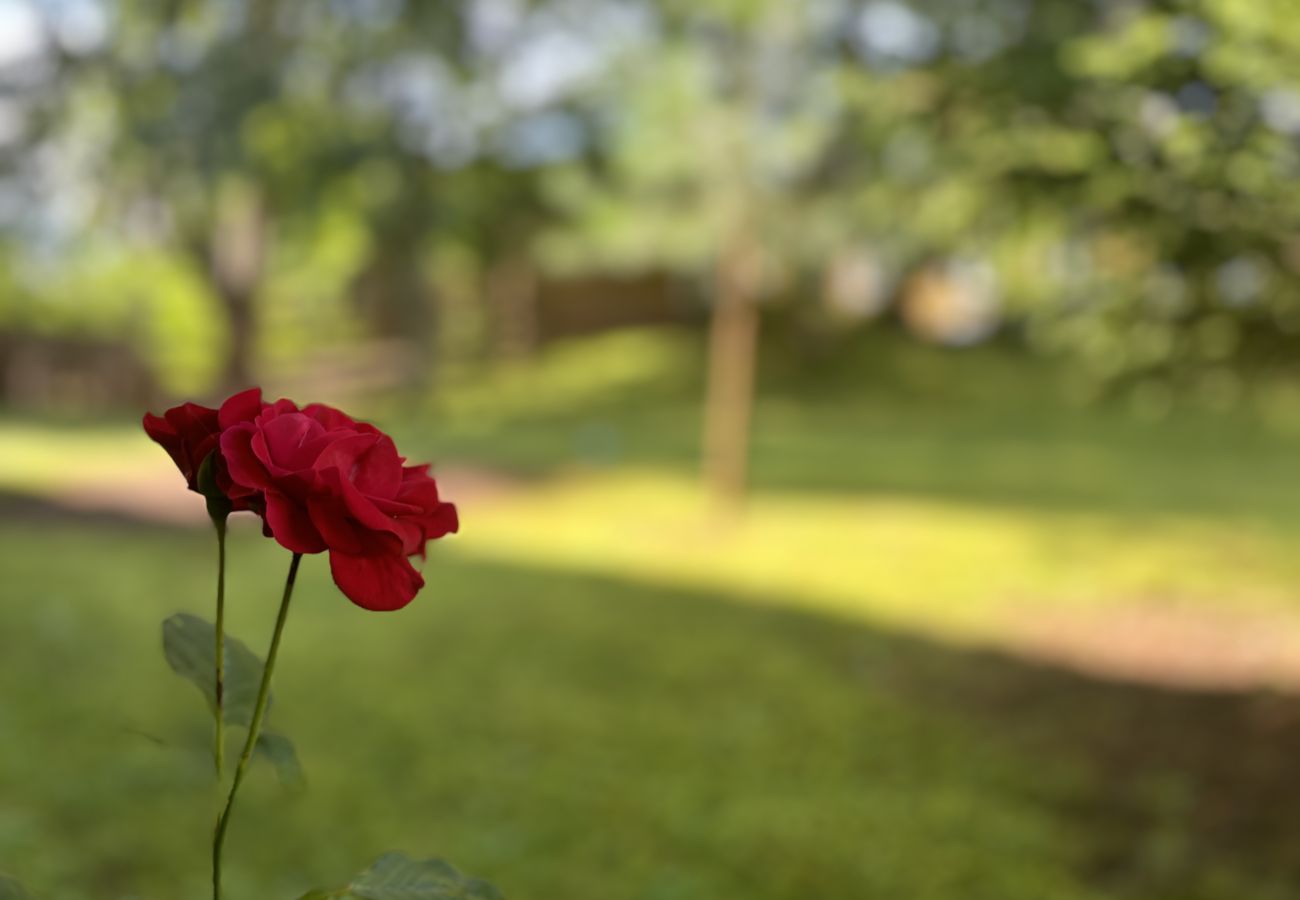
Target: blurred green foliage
243,185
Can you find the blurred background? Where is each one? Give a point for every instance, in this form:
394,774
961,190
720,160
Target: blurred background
874,425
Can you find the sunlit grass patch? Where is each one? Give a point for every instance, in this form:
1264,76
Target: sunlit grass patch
947,567
40,457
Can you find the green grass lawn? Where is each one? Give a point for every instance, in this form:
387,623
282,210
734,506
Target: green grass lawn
943,492
981,425
581,737
606,693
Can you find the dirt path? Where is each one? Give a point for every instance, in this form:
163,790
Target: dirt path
162,498
1163,642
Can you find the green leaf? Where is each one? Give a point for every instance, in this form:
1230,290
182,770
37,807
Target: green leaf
280,752
189,645
395,876
12,890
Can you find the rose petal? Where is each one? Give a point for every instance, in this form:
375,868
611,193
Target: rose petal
443,520
291,525
338,529
192,420
280,407
280,442
377,582
396,508
378,473
363,509
162,431
188,433
438,522
369,461
421,492
334,419
328,416
241,462
342,451
241,407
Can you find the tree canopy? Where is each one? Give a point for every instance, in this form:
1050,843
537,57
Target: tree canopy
1117,179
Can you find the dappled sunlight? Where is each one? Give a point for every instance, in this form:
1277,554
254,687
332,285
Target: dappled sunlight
1062,581
832,449
963,570
44,457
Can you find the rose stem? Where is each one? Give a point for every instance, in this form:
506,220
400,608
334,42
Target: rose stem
254,726
219,740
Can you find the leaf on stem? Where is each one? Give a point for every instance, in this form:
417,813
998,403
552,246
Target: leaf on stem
395,876
280,752
189,644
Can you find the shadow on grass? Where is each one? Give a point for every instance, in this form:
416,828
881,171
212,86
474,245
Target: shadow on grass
1152,792
36,510
588,737
1181,785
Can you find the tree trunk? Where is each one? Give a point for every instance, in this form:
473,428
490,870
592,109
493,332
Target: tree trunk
733,352
237,263
512,287
237,373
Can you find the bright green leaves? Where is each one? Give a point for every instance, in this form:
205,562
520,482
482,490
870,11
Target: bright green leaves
189,645
395,876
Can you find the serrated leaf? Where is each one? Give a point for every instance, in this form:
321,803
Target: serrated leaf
395,876
10,889
189,646
280,752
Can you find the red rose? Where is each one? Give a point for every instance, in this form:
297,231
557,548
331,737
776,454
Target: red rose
190,432
331,483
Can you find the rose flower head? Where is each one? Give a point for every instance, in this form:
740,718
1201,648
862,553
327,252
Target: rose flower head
191,435
328,483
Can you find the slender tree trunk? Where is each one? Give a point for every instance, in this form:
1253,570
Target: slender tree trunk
237,373
733,359
512,285
237,264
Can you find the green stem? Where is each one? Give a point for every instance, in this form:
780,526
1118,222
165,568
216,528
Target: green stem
254,726
219,739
